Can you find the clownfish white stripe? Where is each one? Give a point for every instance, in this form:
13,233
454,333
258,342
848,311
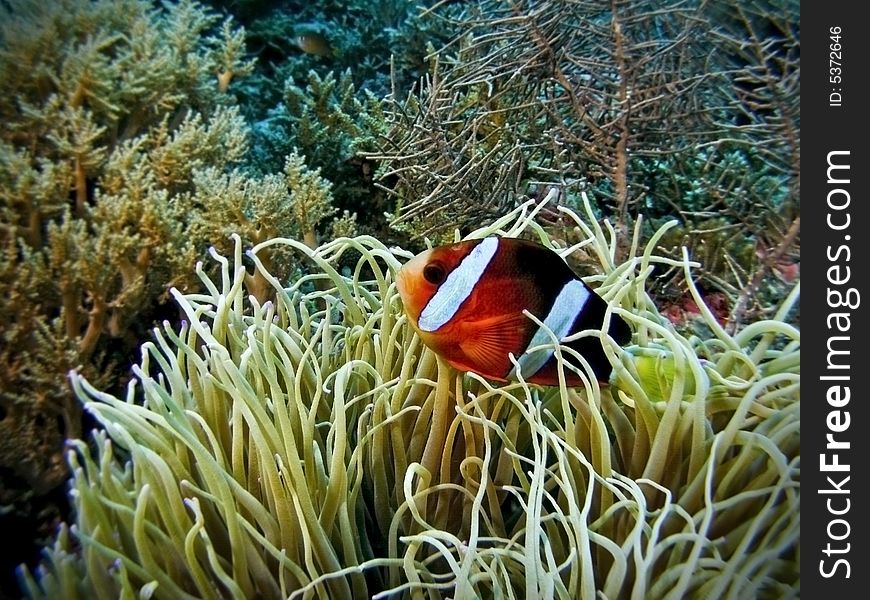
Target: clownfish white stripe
458,286
567,306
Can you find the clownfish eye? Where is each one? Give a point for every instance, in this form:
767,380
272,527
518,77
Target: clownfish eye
434,273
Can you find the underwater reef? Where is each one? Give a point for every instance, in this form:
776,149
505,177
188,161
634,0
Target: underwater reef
308,445
208,387
681,110
121,163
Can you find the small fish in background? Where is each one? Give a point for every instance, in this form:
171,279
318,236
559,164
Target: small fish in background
466,302
315,44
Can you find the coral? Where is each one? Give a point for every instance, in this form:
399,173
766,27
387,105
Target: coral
368,38
327,106
327,122
90,148
119,167
310,446
557,92
595,96
738,219
727,180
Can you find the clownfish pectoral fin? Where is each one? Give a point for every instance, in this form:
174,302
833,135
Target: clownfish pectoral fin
487,342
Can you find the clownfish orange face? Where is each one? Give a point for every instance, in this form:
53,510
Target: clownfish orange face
420,280
466,302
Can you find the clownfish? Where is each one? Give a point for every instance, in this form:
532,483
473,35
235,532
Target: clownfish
466,302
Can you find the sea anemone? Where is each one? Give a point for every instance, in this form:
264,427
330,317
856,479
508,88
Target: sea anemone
308,445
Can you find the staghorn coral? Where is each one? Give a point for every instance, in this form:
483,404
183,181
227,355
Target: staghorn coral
310,446
370,39
326,122
327,105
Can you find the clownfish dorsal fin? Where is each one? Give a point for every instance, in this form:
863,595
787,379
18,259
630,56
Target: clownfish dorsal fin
487,343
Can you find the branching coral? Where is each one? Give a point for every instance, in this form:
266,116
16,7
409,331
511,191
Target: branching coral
326,123
560,91
326,105
118,168
310,446
683,109
108,108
